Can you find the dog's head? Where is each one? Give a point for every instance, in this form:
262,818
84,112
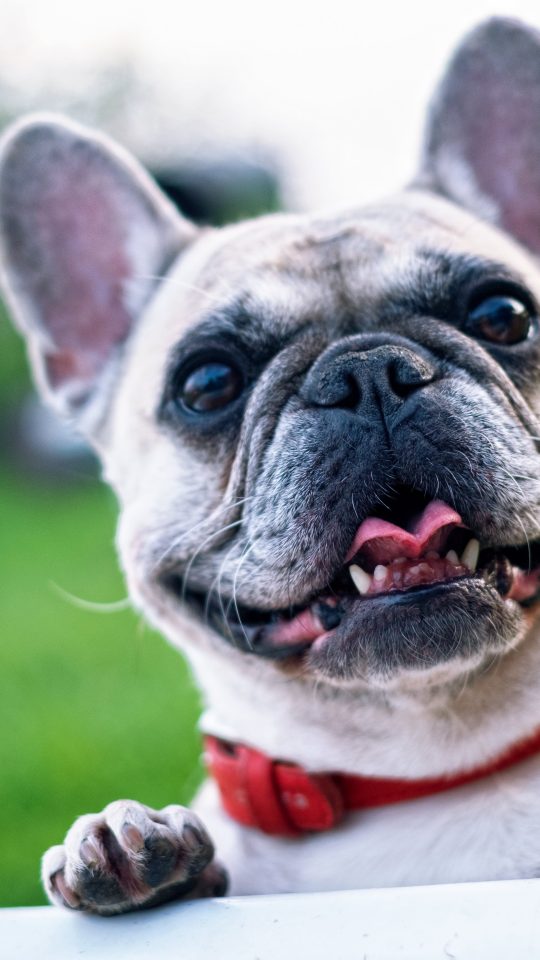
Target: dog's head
322,430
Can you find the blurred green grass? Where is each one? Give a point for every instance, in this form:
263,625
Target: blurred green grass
93,707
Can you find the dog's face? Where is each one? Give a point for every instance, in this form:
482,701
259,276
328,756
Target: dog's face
301,376
322,431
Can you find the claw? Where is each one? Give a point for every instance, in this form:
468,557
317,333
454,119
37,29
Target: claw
133,837
92,854
67,894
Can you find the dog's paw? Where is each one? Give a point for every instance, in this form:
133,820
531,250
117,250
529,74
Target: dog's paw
129,857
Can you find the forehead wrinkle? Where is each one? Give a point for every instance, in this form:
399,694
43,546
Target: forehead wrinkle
298,246
327,279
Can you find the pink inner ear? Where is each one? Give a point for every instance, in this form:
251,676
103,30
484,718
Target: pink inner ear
487,115
81,287
505,155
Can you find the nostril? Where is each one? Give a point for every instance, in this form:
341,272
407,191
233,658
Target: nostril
341,390
351,393
405,377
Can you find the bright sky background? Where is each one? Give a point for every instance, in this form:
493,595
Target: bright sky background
335,90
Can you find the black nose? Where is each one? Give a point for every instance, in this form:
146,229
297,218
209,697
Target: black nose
354,377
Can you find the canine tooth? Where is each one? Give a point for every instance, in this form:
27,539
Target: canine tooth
452,556
469,557
380,572
360,578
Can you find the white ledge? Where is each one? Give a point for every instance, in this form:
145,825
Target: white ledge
474,921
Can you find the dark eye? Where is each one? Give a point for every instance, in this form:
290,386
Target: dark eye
501,318
209,387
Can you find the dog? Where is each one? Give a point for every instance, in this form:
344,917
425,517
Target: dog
323,434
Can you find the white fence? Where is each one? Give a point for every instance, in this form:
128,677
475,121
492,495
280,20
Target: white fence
478,921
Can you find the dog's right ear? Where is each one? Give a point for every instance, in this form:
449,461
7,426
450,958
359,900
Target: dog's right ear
85,235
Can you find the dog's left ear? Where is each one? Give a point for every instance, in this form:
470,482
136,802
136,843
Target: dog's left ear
85,235
482,145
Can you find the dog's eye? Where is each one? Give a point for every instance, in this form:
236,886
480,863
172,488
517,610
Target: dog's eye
500,318
209,387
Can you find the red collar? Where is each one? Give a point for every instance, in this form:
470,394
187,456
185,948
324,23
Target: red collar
285,800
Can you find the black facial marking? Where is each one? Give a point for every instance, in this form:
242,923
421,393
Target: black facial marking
448,287
212,371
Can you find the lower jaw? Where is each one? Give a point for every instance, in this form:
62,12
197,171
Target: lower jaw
424,628
463,621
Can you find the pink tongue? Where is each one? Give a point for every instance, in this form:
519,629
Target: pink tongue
382,542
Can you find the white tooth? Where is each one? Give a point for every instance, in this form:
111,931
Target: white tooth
452,556
379,572
469,557
360,578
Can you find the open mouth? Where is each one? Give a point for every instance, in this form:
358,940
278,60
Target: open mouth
416,551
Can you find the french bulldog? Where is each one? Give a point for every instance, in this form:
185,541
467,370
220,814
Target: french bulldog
323,433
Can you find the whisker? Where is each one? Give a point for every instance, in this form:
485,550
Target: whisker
212,536
93,606
242,560
215,586
205,521
527,541
176,281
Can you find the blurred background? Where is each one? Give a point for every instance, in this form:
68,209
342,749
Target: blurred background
237,108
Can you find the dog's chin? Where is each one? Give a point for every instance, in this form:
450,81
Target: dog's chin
431,631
